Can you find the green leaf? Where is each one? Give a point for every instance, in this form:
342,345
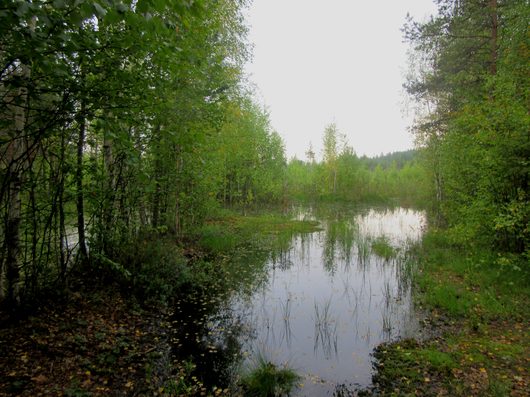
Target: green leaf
112,17
142,6
120,7
59,4
4,139
22,9
100,11
159,5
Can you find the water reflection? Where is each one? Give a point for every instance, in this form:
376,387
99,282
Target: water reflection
323,300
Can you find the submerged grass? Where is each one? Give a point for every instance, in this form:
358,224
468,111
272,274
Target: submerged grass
381,247
478,311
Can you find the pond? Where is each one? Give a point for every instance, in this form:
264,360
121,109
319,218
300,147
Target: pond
319,304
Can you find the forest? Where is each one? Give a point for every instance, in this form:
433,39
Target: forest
134,160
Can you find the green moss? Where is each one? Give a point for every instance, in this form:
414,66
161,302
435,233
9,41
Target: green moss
437,360
450,298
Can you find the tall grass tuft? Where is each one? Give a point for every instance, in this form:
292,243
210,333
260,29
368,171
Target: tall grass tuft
269,380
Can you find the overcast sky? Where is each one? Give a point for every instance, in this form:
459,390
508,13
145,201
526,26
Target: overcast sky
322,61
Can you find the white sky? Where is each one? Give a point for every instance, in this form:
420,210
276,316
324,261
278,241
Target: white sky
343,61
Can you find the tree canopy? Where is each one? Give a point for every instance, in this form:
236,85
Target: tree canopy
118,117
470,80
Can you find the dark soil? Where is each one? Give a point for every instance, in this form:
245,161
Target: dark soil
94,344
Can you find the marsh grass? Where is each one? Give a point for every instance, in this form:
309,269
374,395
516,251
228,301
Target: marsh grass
231,231
362,243
387,323
461,282
267,379
325,330
217,239
381,247
387,294
481,311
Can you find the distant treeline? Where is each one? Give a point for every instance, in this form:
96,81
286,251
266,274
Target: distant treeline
395,159
342,175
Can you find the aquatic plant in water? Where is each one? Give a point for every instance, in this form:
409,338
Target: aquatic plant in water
325,330
269,380
381,247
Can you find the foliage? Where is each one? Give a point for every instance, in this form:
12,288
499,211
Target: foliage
395,177
158,269
473,118
119,118
253,156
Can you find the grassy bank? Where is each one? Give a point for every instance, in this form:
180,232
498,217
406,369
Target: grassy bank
477,309
223,234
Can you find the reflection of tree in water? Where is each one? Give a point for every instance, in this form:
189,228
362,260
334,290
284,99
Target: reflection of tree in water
209,331
252,310
280,253
340,241
281,259
213,346
305,247
246,272
329,251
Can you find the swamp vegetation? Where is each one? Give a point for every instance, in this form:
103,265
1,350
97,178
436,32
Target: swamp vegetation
155,240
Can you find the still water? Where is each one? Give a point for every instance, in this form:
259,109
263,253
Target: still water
320,303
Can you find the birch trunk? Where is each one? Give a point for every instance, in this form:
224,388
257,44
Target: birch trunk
79,186
15,160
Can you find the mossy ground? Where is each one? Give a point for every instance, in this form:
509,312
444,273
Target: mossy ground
478,312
